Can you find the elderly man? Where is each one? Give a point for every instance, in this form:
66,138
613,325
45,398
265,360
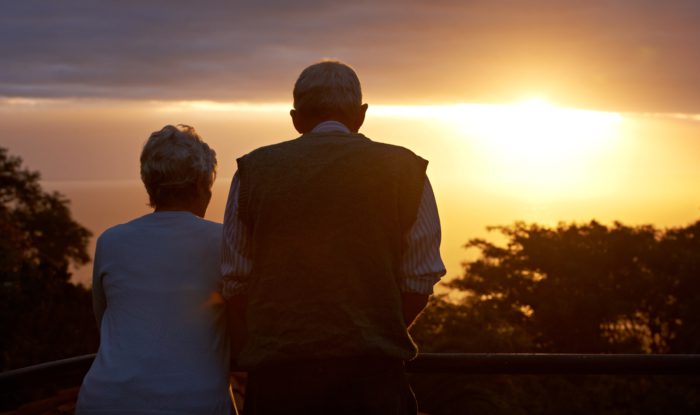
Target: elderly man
330,251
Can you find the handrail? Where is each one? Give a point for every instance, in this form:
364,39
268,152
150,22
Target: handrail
35,383
467,363
559,363
18,382
72,365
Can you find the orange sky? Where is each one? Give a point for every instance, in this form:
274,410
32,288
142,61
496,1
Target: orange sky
489,164
82,84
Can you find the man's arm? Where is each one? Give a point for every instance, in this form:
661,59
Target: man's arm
235,315
235,269
413,304
422,265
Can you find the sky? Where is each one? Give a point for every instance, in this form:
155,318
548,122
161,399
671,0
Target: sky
617,55
541,111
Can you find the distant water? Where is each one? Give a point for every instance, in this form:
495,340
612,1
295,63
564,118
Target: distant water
465,211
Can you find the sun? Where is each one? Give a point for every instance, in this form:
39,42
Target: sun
536,147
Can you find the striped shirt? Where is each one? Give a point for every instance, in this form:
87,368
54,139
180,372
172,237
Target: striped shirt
421,264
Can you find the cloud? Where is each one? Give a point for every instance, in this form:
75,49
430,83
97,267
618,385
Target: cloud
621,55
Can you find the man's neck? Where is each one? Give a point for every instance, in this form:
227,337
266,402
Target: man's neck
331,126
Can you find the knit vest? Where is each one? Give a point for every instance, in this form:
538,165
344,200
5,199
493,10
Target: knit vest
327,216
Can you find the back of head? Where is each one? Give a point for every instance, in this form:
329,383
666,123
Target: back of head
327,89
177,166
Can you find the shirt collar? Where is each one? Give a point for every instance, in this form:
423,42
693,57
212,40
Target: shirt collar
331,127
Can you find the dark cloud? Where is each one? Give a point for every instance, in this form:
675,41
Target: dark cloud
624,54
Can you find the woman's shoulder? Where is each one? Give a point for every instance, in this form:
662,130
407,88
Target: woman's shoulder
152,225
122,231
211,230
205,226
211,225
116,232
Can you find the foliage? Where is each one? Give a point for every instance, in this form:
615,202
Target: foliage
573,288
42,315
581,289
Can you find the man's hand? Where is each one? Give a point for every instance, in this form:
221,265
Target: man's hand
235,315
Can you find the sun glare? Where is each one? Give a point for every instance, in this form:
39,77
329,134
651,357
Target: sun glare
539,131
532,148
538,148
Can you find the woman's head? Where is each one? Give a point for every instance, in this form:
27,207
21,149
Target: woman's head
178,169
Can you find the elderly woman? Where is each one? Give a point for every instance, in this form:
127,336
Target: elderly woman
163,345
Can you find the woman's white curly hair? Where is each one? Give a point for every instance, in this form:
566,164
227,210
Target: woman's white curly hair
177,166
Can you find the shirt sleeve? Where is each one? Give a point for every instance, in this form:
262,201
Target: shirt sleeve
235,261
421,264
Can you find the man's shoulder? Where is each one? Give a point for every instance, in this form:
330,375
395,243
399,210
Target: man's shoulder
269,149
392,147
362,141
396,150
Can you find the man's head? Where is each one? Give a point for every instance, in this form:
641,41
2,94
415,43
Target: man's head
328,90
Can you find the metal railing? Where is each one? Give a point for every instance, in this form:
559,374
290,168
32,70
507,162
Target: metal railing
71,371
547,363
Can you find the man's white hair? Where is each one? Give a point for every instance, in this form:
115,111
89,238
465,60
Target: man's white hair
176,165
327,88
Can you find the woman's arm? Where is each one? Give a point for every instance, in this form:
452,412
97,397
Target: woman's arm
99,300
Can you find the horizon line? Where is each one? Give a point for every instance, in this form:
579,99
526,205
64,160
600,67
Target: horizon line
382,109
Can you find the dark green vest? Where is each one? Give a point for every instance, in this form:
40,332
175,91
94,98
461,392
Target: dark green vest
327,216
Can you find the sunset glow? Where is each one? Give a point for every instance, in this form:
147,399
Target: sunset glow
528,147
558,153
540,148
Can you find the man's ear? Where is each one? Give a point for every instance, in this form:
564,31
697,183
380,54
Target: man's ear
297,121
360,117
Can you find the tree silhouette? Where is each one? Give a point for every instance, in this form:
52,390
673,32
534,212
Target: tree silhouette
585,288
42,315
573,288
